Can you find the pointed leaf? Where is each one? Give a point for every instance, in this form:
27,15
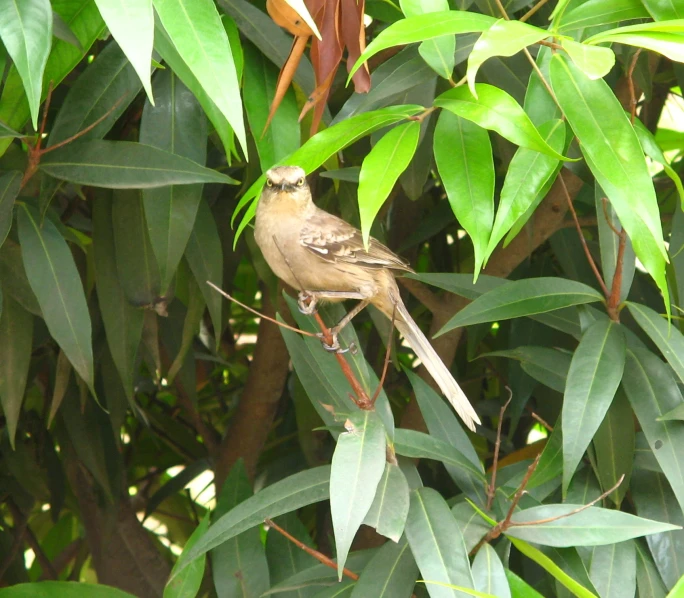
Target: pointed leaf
463,154
16,339
595,373
197,33
26,32
591,527
523,298
53,276
437,543
528,173
125,165
422,27
503,38
131,23
438,53
390,506
615,157
176,124
489,574
357,466
494,109
381,168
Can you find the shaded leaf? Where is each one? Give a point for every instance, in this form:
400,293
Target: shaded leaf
387,513
188,582
63,589
613,569
488,573
391,572
10,183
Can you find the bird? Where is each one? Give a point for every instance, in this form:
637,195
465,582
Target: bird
325,259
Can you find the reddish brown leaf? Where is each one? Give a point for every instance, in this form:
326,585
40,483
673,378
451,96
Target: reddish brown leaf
286,16
354,37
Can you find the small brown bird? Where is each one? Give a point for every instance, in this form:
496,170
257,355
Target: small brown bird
325,259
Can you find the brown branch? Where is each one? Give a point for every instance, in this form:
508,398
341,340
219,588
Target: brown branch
630,86
614,299
587,253
319,556
491,488
532,11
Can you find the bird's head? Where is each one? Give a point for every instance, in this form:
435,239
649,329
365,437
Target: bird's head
287,185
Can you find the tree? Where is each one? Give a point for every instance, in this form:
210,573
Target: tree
524,156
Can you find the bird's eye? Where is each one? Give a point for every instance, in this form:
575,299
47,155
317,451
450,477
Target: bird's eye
269,183
300,183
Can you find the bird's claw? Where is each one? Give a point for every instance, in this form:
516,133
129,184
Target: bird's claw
333,347
307,304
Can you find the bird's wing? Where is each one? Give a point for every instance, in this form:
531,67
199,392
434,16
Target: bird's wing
333,240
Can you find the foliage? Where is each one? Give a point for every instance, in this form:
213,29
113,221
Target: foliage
523,156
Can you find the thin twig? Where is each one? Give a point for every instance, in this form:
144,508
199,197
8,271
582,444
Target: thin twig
537,70
532,11
630,84
590,259
541,420
491,488
614,299
502,10
385,364
608,217
255,312
46,107
319,556
571,513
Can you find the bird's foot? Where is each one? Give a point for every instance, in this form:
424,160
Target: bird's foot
334,346
307,303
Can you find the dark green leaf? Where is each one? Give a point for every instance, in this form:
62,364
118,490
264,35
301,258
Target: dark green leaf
63,589
391,572
595,373
62,31
13,276
437,543
53,276
523,298
176,124
548,366
390,506
16,336
26,32
285,559
285,496
125,165
188,582
357,467
10,183
463,154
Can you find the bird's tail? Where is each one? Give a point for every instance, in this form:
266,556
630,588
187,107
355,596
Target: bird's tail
440,373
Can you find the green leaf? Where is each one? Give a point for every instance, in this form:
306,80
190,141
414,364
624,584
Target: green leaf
390,506
595,373
615,157
16,339
423,27
418,445
26,31
7,132
437,543
613,569
652,390
662,10
196,31
648,579
62,31
290,494
176,124
10,183
602,12
593,526
13,276
528,173
84,20
205,258
667,44
123,323
667,338
107,86
53,276
135,263
489,574
494,109
283,135
463,154
523,298
594,61
444,426
546,563
391,573
63,589
188,582
131,23
325,144
546,365
503,38
381,168
614,447
357,466
519,588
125,165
